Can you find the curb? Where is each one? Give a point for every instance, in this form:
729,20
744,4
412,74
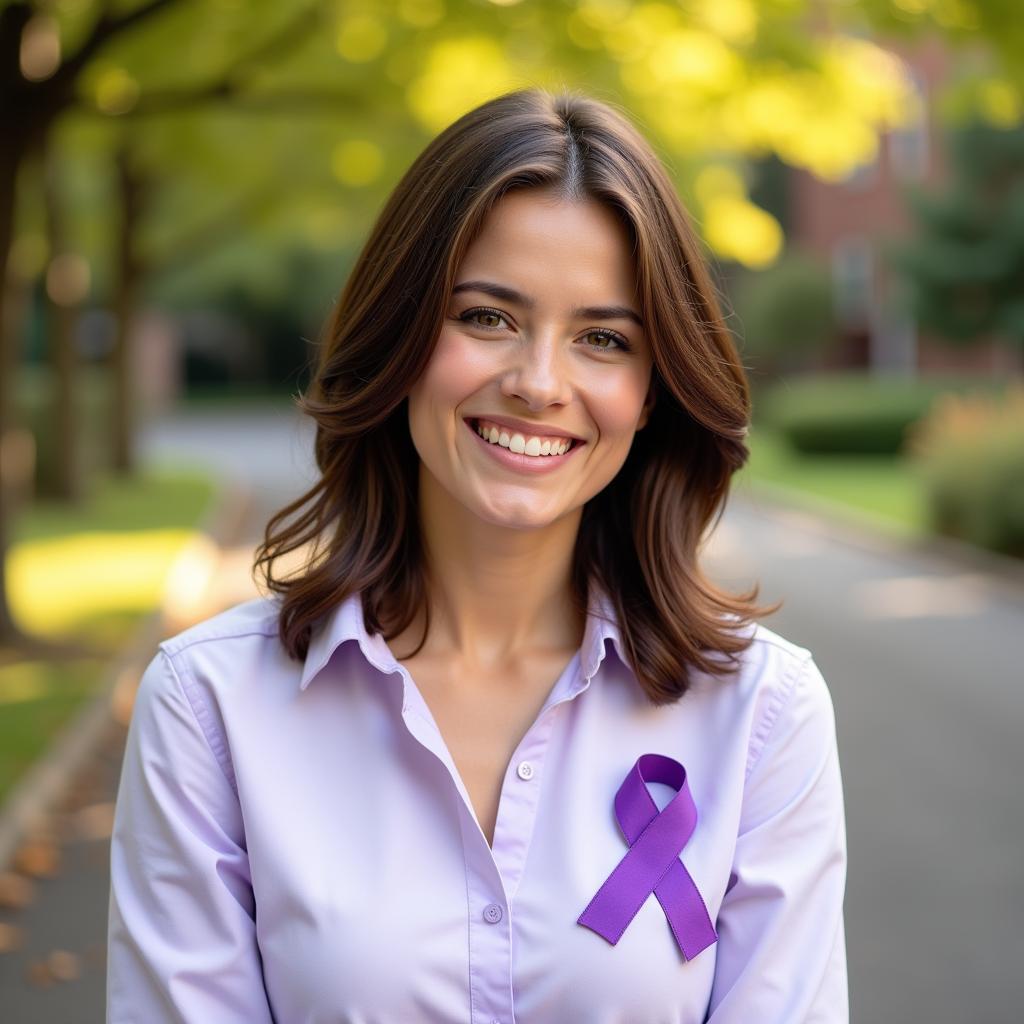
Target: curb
39,790
877,534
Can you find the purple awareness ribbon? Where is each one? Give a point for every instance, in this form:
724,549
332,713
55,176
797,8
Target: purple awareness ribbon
652,862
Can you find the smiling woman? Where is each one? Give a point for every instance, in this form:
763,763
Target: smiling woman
411,784
564,272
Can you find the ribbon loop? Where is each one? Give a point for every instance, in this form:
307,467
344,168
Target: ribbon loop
652,864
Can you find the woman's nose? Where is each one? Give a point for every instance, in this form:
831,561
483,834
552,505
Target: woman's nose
539,372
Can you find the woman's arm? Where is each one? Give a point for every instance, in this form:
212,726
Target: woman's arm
781,942
182,935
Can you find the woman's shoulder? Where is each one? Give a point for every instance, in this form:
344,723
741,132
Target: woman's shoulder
222,646
766,653
769,672
257,615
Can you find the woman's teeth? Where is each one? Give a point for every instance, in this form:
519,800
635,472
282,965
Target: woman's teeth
518,442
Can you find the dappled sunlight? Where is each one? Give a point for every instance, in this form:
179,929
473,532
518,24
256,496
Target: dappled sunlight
952,14
1000,102
644,25
459,74
115,90
189,577
923,597
685,59
739,230
56,583
357,162
361,37
421,13
825,120
25,681
734,20
731,223
325,225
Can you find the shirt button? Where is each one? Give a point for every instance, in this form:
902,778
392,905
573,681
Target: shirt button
492,913
525,770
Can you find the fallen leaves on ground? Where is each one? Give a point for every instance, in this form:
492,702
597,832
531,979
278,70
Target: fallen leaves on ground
16,890
95,821
10,937
64,966
39,858
59,965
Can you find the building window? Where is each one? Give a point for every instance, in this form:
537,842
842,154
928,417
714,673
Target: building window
909,146
853,280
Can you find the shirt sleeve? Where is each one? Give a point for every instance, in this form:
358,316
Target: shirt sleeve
181,938
781,941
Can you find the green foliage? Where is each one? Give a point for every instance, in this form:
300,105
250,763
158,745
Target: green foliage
161,498
971,453
854,413
784,314
965,263
986,35
280,319
250,118
879,488
36,700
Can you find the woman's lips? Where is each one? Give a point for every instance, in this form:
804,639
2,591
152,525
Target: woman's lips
522,462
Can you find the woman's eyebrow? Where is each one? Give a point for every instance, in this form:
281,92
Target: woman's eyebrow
506,294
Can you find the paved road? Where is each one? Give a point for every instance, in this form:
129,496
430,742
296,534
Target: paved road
922,659
920,656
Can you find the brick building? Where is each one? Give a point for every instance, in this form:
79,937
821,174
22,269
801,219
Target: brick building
845,224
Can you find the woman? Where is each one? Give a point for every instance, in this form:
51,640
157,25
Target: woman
500,751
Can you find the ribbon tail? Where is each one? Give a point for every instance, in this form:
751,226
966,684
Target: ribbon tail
686,911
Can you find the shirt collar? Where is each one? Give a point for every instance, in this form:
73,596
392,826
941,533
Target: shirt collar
345,622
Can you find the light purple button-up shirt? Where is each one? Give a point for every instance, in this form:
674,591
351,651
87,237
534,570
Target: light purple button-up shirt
293,842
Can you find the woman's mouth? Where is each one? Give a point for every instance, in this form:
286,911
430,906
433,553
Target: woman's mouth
536,454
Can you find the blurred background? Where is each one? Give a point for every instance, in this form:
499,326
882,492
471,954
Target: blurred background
184,185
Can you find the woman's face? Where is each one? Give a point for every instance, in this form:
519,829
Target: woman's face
539,330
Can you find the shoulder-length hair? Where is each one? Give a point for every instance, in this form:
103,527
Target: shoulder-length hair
639,537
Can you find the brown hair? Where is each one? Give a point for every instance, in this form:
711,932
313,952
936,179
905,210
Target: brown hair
639,537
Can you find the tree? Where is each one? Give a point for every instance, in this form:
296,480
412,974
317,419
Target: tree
331,113
965,260
30,103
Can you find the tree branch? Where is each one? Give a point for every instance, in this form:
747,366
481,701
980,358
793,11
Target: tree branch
105,29
172,101
292,34
229,85
192,243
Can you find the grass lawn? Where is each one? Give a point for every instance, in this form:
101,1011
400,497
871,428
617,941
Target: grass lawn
881,488
90,573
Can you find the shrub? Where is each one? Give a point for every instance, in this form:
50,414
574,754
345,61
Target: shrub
853,413
784,314
970,450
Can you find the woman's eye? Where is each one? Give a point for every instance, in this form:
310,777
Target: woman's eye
470,316
617,339
491,320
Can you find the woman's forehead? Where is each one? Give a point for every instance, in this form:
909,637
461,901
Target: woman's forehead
536,244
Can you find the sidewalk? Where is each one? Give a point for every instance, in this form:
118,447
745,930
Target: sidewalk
57,976
55,888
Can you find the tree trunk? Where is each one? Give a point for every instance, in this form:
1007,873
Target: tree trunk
129,272
10,339
27,112
61,319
